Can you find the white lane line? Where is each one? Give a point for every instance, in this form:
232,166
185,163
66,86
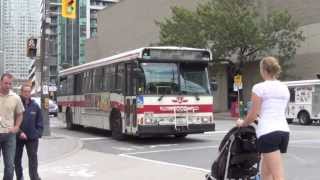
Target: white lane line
92,139
216,132
164,163
303,146
161,145
123,148
170,150
305,141
300,160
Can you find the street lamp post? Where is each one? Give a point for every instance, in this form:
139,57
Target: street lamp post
44,75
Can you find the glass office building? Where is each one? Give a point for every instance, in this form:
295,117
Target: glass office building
19,20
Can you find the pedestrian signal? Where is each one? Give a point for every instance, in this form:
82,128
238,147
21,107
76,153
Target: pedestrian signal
69,8
32,47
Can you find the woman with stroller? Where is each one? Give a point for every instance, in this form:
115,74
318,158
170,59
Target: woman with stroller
269,101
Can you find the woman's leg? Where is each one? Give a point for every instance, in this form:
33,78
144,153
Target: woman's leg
274,164
265,172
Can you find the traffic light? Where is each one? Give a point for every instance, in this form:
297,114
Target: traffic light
69,8
32,47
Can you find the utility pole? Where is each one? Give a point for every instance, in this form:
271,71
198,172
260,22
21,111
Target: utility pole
44,74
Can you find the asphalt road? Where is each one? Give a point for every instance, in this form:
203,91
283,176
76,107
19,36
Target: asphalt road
199,151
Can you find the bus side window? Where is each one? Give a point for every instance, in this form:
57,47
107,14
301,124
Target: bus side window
292,94
120,79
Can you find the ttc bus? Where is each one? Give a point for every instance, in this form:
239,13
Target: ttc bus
144,92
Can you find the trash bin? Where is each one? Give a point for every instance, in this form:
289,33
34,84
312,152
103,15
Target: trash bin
234,110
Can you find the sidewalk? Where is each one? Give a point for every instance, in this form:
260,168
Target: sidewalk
51,148
62,157
100,166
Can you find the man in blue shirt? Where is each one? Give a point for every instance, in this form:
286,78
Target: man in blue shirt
30,132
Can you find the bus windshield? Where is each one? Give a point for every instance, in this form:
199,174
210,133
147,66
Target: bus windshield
175,78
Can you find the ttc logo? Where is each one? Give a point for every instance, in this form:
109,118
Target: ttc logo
180,100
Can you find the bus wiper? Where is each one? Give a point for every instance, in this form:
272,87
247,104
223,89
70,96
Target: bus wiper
160,98
197,96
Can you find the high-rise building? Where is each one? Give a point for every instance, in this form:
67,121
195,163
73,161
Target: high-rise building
73,33
19,20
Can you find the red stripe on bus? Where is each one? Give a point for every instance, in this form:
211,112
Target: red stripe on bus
171,108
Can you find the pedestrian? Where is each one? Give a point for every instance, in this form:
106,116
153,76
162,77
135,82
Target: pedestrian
269,101
11,112
29,134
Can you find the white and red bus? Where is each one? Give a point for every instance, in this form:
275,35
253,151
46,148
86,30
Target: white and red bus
144,92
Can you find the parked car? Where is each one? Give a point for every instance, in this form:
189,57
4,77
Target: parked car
53,107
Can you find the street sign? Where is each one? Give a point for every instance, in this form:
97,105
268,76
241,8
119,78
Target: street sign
237,85
45,89
52,88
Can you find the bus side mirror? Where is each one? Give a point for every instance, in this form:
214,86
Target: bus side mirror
318,75
213,86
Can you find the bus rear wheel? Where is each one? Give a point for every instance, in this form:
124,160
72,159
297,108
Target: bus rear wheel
116,127
304,118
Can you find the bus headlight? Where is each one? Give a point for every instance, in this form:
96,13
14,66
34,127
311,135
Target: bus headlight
205,119
200,119
194,120
165,120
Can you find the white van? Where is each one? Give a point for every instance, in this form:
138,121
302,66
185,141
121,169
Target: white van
304,104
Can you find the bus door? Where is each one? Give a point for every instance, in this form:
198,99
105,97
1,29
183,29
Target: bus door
130,98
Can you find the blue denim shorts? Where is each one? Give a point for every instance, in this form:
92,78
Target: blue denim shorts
277,140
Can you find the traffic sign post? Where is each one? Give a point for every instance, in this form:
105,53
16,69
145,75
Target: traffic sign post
237,85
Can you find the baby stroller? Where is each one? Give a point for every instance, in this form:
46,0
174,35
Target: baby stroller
238,156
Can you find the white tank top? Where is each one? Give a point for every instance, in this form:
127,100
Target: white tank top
275,96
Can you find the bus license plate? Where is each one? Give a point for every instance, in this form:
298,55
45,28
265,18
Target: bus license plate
181,121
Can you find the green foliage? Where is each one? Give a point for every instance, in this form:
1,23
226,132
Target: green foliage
182,29
233,28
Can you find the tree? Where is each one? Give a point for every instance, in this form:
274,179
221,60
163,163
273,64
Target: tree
182,29
233,29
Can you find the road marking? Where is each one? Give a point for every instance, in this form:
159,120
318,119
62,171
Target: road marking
92,139
301,160
164,163
123,148
216,132
78,170
162,145
170,150
301,141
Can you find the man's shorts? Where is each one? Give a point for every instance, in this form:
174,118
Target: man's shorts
277,140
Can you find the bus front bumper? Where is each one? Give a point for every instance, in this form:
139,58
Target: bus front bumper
149,130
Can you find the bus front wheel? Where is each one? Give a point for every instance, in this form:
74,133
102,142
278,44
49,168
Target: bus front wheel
181,135
116,126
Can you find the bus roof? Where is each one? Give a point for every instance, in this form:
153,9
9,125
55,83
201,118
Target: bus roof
125,56
303,82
